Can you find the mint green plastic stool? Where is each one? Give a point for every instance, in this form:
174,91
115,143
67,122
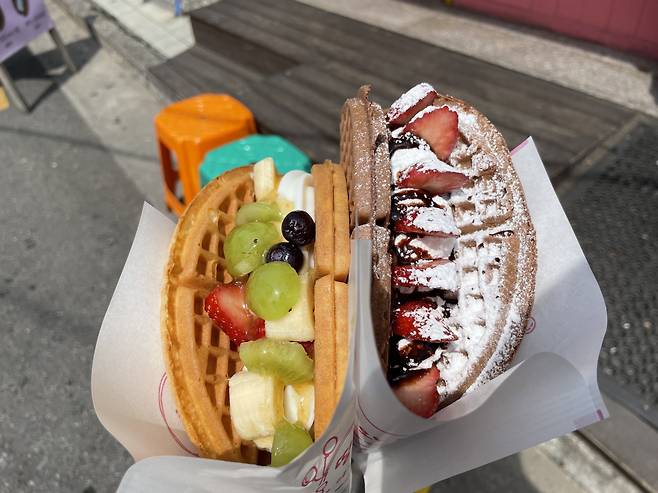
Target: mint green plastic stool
249,150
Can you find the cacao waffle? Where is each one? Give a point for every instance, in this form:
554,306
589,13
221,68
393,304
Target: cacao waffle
365,160
481,260
198,355
364,155
495,256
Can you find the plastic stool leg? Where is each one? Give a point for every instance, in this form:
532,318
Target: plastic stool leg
170,178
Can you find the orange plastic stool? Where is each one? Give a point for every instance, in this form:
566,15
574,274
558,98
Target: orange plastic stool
190,128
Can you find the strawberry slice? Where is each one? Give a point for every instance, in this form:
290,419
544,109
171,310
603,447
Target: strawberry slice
418,392
421,320
411,102
429,221
432,179
227,307
438,127
437,274
309,347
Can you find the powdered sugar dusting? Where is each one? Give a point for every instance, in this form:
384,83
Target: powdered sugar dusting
435,276
429,362
431,324
492,276
423,112
451,369
435,247
434,220
409,99
420,159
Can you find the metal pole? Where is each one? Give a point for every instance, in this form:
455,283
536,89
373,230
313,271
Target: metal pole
68,61
14,96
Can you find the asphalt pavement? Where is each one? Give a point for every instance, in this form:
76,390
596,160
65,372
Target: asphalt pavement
67,219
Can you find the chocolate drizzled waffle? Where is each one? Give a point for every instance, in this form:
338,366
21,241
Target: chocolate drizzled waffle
475,249
495,254
460,249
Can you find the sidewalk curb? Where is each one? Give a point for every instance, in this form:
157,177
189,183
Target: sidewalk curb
628,442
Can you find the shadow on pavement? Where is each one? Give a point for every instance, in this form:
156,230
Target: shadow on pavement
34,74
503,475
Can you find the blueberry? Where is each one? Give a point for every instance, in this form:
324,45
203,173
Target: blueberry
298,228
286,252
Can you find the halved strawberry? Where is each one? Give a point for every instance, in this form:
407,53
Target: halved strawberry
411,102
227,307
437,274
438,127
433,180
421,320
429,221
418,392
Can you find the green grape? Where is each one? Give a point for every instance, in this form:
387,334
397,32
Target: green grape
246,245
282,359
272,289
290,440
260,212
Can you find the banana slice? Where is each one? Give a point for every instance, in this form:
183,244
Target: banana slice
299,403
264,443
264,178
256,404
297,324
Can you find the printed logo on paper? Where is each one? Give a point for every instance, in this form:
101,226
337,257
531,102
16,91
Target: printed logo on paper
166,410
332,455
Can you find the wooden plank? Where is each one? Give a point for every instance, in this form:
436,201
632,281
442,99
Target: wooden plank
394,43
319,108
207,76
172,81
334,29
294,65
215,16
239,48
217,59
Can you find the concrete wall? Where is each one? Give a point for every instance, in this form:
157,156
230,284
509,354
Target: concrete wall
630,25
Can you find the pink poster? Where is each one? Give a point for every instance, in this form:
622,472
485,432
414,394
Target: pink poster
20,22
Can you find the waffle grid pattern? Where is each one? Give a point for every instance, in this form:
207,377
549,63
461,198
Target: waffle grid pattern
196,266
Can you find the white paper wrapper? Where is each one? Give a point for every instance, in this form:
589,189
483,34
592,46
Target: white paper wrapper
550,390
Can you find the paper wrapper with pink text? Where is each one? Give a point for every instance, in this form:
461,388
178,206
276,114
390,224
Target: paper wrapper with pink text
550,389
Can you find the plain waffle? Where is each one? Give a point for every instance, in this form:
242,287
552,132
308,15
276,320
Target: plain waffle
199,356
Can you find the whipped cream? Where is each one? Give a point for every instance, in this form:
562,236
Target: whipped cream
297,187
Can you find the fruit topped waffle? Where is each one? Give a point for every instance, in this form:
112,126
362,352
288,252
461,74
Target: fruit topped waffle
256,364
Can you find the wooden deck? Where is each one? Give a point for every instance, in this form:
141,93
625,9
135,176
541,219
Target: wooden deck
294,65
